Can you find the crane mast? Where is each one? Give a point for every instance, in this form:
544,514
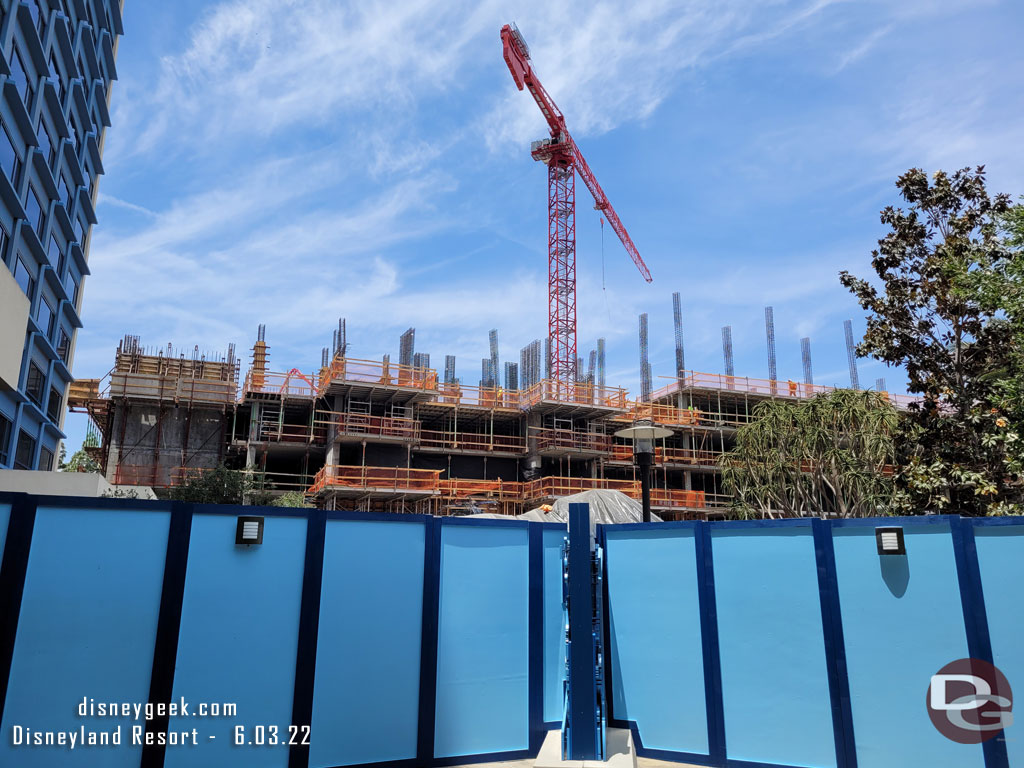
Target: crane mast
564,160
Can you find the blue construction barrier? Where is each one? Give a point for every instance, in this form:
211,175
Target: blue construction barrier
415,641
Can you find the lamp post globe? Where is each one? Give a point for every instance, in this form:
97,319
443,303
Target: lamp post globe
643,433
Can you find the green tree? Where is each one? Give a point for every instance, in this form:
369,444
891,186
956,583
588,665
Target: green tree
220,485
936,310
831,455
291,499
81,461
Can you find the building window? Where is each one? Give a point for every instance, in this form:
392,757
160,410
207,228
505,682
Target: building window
34,384
64,346
53,254
45,459
20,77
5,439
71,287
80,232
24,277
75,138
9,158
45,145
25,451
33,212
55,76
65,193
45,318
4,237
53,406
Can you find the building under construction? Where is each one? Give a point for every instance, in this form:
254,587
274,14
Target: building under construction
378,435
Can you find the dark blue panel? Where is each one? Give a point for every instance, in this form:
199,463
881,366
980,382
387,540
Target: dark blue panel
87,629
366,695
902,622
483,641
239,635
657,660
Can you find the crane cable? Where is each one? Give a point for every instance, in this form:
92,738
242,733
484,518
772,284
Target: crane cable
601,219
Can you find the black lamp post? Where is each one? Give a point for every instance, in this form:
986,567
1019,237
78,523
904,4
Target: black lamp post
643,433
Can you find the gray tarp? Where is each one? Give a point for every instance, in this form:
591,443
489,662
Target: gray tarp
605,507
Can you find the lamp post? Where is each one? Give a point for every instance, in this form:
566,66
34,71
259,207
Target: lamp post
643,433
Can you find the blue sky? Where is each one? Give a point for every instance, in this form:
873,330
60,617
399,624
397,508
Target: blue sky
290,163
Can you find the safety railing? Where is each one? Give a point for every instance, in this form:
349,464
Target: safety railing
502,490
479,397
571,440
755,386
471,441
550,390
352,371
391,479
553,487
294,383
270,430
358,424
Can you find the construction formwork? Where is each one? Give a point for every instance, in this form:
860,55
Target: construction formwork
377,435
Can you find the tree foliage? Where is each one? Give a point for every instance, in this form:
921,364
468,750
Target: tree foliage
81,461
220,486
831,455
942,307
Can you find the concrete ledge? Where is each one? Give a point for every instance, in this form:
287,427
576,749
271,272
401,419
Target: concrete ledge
89,484
619,745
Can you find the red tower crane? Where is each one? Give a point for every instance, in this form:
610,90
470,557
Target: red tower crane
564,160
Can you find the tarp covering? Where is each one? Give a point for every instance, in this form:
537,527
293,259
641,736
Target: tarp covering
606,507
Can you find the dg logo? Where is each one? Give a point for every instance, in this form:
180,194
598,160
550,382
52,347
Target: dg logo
970,701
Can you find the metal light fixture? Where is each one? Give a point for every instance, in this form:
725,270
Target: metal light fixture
890,541
643,433
249,531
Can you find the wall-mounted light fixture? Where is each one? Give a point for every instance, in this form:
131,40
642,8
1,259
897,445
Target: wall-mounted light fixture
890,541
249,531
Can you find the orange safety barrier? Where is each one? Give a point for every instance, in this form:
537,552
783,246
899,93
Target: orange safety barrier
580,394
481,397
472,441
376,478
769,387
553,439
548,487
346,369
457,488
291,384
671,497
380,426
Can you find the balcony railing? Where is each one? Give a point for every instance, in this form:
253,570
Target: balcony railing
392,479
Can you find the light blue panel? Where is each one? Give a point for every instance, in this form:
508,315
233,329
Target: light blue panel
5,518
1001,558
774,672
656,653
367,685
554,632
86,629
239,638
483,643
902,622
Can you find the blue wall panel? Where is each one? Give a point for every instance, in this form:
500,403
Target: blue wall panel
1001,560
5,518
774,672
554,632
656,654
239,638
366,692
902,622
86,629
483,645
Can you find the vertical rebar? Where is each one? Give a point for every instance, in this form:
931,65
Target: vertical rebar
805,355
730,368
851,354
645,366
677,324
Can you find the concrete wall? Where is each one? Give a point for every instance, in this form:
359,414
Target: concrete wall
14,306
